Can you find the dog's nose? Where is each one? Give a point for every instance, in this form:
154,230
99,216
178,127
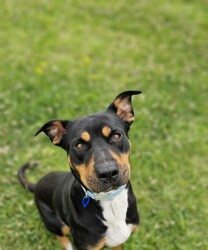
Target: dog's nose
108,174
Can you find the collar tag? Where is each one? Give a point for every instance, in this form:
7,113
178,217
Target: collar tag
85,200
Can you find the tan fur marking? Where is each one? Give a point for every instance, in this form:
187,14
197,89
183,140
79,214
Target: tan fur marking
63,240
85,136
123,161
106,131
118,248
85,171
99,245
65,230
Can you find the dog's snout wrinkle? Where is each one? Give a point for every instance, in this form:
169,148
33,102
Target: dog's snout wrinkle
104,158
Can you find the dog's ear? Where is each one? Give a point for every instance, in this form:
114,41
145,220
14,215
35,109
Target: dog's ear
122,106
55,130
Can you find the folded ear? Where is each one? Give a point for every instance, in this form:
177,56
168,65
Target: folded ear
55,130
122,106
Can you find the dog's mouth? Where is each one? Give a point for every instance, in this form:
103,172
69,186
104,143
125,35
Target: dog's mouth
109,189
106,188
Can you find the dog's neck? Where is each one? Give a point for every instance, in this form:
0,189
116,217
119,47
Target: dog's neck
103,196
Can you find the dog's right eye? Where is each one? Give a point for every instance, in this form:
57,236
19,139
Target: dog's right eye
115,137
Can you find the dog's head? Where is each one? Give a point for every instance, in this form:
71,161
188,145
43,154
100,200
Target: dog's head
97,145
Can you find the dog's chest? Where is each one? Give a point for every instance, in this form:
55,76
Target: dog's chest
114,213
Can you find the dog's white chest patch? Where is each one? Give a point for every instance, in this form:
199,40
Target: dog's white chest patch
114,213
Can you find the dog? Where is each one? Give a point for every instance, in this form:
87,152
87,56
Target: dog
94,202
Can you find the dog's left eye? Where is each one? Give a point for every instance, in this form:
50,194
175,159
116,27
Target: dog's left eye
79,146
116,137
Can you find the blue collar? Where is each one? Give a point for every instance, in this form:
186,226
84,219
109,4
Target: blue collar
108,196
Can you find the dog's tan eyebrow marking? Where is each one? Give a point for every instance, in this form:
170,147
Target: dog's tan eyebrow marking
106,131
85,136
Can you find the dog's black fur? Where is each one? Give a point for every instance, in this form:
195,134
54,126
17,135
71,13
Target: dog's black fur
98,149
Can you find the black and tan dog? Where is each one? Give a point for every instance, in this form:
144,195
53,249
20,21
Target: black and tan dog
94,203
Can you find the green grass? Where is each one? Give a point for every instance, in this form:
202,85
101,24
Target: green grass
64,59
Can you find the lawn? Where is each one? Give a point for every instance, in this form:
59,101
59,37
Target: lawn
64,59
